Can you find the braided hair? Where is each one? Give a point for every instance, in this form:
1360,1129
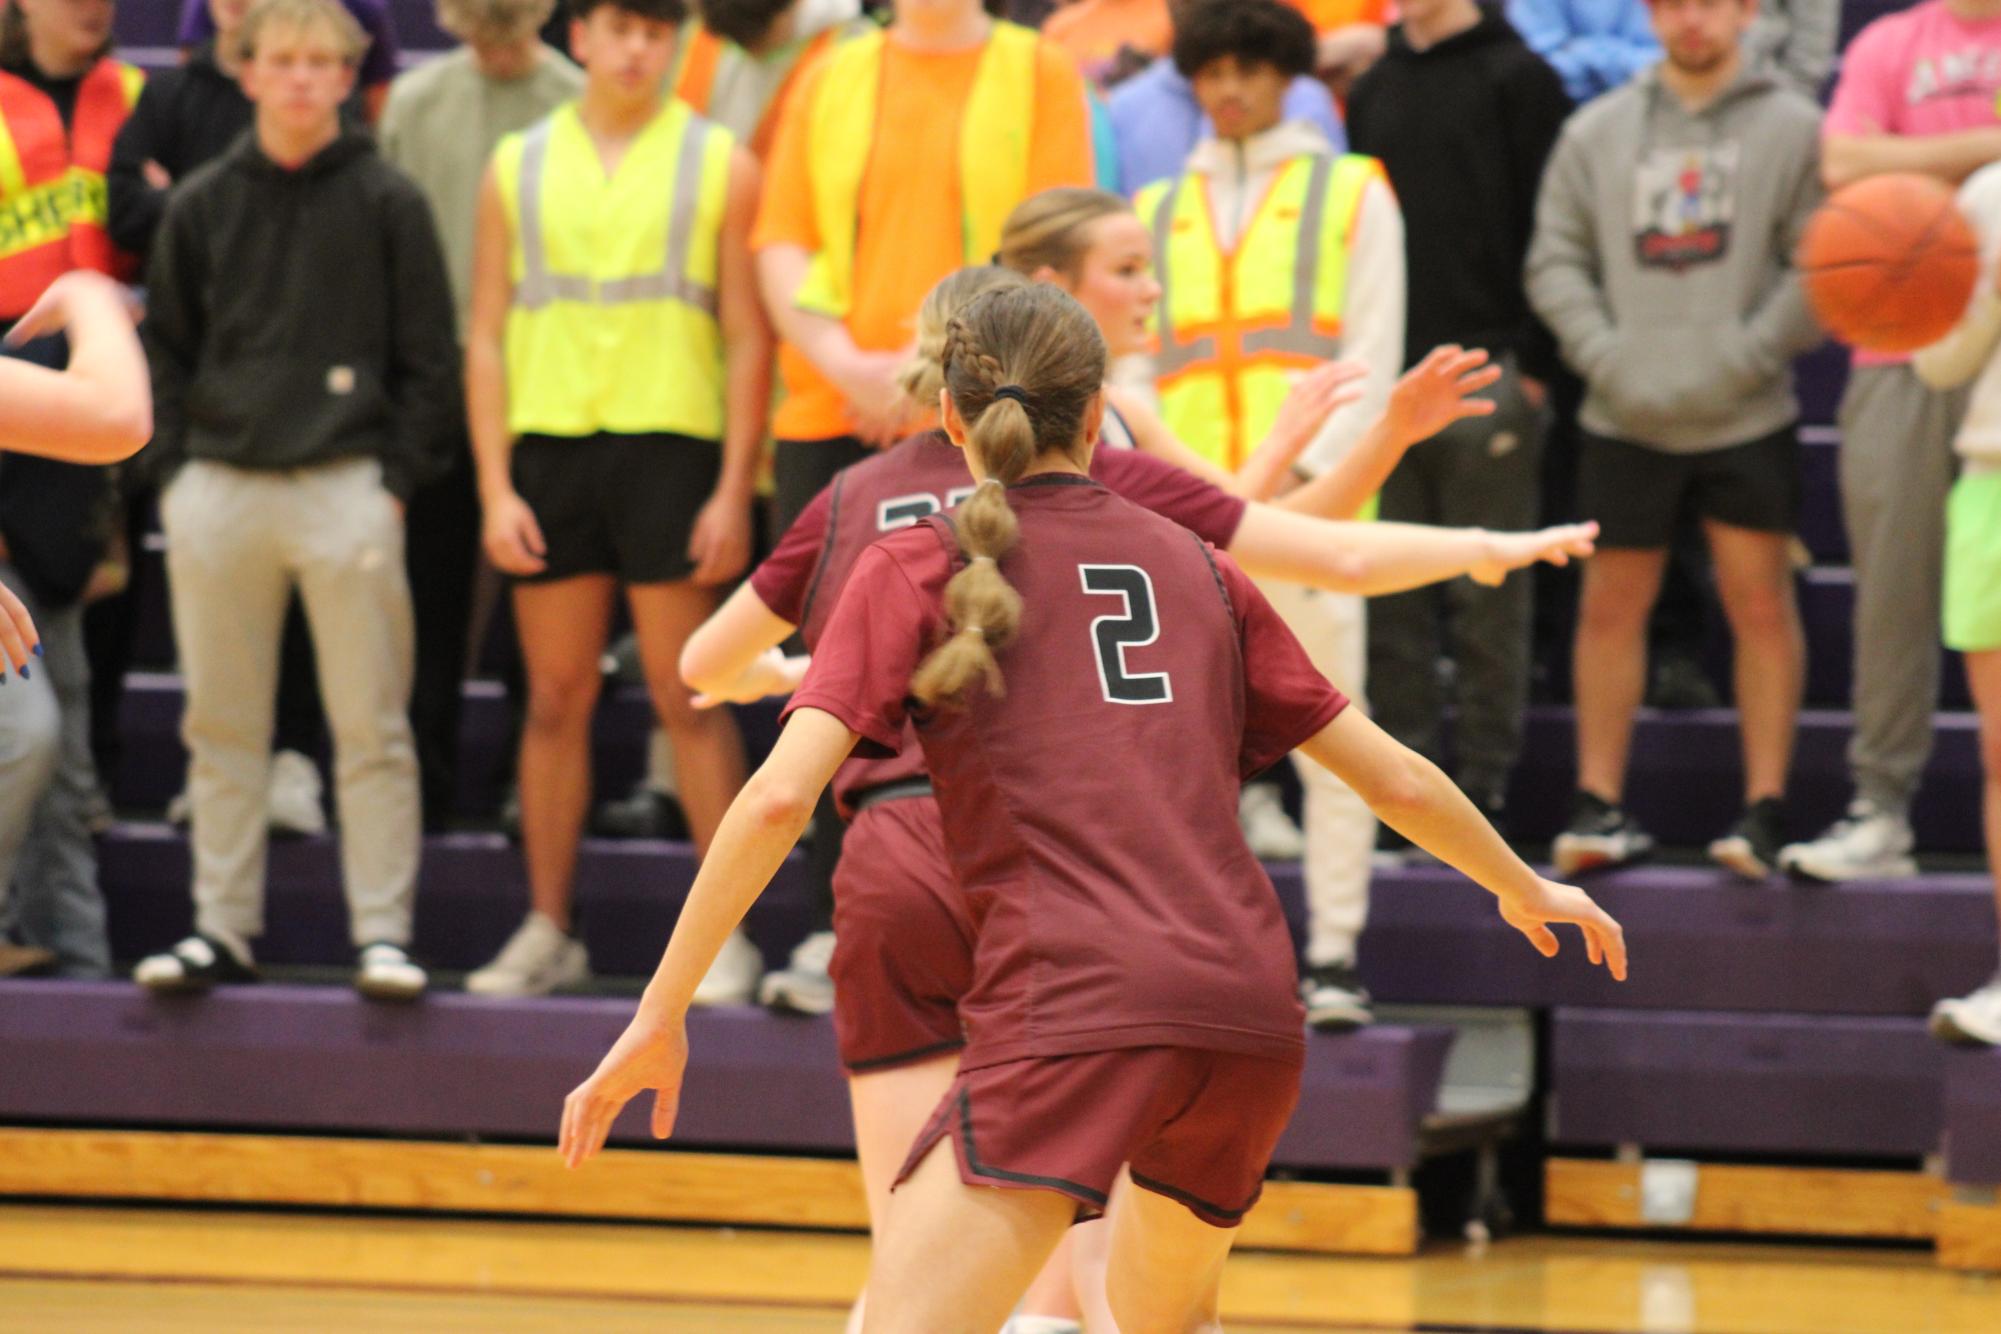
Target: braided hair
1022,368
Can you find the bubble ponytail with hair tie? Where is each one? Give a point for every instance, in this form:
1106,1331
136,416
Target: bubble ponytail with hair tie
1022,366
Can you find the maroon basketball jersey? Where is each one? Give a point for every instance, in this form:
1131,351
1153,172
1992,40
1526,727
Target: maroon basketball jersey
1091,811
802,578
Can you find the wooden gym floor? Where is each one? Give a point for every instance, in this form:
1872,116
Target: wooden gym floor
80,1270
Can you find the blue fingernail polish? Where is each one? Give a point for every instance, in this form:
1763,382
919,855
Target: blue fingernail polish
24,672
38,648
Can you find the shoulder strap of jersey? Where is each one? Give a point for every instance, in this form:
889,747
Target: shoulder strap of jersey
1216,573
826,546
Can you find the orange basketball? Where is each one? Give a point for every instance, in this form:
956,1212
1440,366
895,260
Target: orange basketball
1889,262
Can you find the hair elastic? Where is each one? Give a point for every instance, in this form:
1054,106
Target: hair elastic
1013,391
975,560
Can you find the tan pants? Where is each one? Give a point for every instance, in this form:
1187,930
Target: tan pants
238,542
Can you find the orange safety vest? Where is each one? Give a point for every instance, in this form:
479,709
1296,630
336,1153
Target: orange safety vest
701,59
52,193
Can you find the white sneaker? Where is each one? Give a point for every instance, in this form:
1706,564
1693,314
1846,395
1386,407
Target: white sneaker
1866,844
1267,828
803,985
292,803
536,960
1974,1019
387,973
732,978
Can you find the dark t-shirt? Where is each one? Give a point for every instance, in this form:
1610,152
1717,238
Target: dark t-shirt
801,580
1091,812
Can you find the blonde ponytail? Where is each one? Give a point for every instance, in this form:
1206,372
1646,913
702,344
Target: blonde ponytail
1022,365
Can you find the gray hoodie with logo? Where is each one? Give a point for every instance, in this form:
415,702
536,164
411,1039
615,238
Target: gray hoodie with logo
1662,259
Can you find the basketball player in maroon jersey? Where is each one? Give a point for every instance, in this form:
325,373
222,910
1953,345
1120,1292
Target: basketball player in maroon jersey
1133,997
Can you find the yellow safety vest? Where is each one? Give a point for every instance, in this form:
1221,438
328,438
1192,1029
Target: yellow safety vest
993,153
613,326
1234,327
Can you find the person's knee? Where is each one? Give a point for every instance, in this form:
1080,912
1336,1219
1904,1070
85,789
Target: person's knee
561,702
1613,605
1761,609
30,740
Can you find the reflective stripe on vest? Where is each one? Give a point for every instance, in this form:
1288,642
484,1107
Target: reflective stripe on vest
1232,328
53,204
994,141
613,324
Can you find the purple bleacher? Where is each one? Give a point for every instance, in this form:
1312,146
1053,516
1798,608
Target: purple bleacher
1973,1117
320,1059
1819,378
1827,608
1702,939
1820,522
1685,787
1742,1083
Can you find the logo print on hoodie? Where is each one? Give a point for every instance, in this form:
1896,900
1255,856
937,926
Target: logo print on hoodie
1684,200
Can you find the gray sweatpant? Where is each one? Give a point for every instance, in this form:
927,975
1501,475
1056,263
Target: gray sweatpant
1483,472
238,541
47,855
1897,467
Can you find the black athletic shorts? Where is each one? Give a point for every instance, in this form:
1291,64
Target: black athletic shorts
623,505
1638,494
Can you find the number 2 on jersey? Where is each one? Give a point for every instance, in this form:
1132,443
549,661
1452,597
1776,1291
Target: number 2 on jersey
1135,627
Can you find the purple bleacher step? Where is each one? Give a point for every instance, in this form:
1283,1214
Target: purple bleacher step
1701,939
1820,376
1678,1082
1973,1117
1685,784
320,1059
1827,608
1821,526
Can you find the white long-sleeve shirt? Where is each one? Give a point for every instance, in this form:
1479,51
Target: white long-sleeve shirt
1969,352
1239,174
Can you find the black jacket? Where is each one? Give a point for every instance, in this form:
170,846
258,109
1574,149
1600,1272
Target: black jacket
1464,128
186,116
299,316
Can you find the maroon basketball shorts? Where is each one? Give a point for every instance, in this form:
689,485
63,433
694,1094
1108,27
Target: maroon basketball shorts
903,939
1196,1126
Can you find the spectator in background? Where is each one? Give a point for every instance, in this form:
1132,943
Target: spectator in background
1663,261
1459,109
199,24
738,64
618,377
1595,45
1919,90
440,127
1236,260
305,385
1157,120
62,100
1797,39
1112,40
1352,35
1971,354
898,158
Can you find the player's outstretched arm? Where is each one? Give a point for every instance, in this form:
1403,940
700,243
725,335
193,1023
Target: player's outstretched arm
1415,798
757,832
1373,559
100,408
1429,397
731,646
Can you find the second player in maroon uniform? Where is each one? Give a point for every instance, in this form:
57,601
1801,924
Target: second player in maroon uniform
1133,993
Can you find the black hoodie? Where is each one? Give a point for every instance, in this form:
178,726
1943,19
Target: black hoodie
295,317
186,116
1464,128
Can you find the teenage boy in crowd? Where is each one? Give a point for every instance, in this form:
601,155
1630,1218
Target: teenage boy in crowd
1662,259
305,383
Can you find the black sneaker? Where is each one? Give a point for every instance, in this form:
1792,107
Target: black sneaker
1600,836
1679,682
1336,1001
194,965
1752,848
641,813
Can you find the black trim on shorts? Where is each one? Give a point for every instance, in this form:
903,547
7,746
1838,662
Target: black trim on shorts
974,1165
826,546
903,789
1201,1206
904,1057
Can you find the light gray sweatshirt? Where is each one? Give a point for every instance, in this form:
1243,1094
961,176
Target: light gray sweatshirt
1662,259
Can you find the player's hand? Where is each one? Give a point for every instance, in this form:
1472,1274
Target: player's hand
511,536
648,1055
156,175
1508,552
1533,912
1439,390
74,291
1318,395
720,542
772,673
19,640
